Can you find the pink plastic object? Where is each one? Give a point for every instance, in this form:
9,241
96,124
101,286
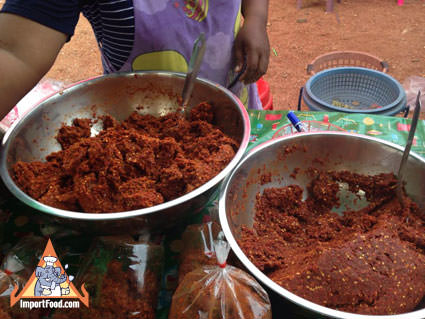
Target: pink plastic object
400,2
336,59
43,89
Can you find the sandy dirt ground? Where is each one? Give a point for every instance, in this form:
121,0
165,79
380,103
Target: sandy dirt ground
394,33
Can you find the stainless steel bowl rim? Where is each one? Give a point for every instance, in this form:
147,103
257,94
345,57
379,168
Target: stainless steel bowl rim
10,184
419,314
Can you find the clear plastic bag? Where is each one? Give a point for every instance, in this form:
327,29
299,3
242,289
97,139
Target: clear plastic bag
22,258
122,277
220,291
7,284
198,247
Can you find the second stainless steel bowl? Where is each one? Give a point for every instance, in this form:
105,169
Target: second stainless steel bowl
326,151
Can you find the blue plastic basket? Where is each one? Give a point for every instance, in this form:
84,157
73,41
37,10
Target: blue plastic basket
354,90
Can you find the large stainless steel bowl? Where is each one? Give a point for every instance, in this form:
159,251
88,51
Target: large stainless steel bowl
339,151
118,95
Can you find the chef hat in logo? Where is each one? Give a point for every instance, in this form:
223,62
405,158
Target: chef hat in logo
50,259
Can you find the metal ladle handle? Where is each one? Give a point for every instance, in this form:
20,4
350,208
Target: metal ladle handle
198,52
401,170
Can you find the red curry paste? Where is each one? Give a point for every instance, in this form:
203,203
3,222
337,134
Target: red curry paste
197,250
141,162
120,296
370,261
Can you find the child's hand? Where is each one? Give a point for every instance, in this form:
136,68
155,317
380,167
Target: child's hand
252,47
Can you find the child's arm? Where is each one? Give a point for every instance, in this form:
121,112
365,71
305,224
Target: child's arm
27,51
252,43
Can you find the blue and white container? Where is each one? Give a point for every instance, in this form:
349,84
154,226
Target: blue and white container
354,90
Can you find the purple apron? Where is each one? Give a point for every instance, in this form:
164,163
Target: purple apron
166,29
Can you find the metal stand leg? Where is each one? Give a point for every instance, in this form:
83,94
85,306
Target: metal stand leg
406,111
299,98
299,4
329,5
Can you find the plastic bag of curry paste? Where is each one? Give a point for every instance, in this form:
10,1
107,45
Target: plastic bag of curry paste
198,247
22,258
220,291
7,284
122,277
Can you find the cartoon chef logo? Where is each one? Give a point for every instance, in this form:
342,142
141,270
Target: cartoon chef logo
49,280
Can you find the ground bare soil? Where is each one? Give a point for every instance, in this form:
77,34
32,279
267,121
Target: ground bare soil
394,33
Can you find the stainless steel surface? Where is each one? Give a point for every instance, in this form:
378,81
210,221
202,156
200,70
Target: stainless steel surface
400,175
198,52
358,153
155,93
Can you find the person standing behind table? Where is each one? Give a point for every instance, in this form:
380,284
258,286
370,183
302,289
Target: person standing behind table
135,35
